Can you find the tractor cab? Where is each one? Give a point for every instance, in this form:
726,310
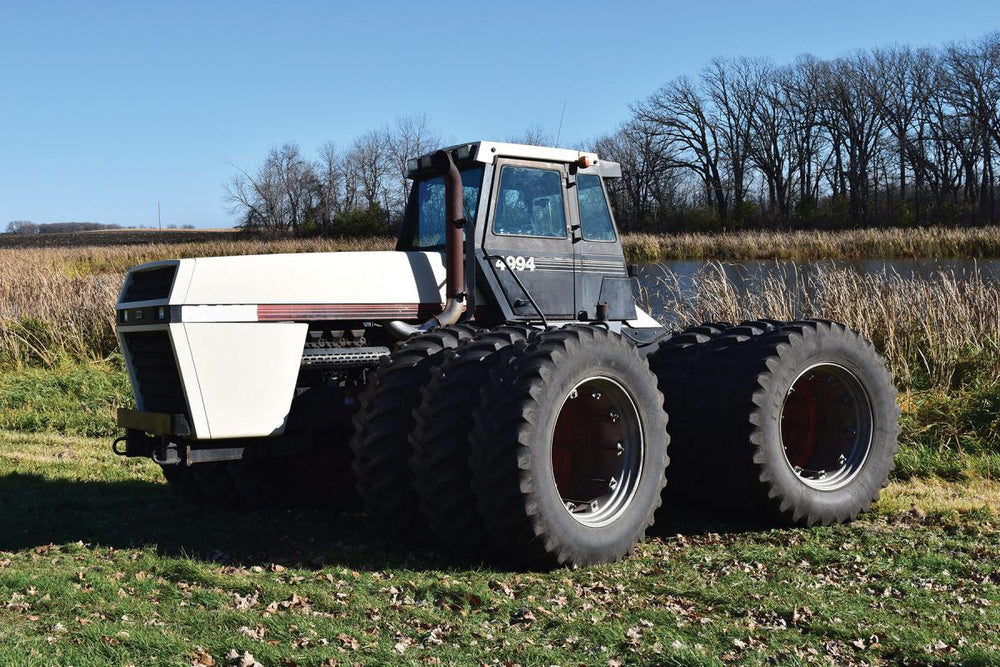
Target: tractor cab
540,238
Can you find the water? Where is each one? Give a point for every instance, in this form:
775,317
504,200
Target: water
683,276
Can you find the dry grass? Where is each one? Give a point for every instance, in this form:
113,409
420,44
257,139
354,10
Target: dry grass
933,331
816,245
59,302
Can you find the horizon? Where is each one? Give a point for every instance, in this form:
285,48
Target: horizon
110,110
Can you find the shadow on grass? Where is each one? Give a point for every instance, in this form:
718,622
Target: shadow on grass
36,511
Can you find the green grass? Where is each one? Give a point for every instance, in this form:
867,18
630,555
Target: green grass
100,564
75,398
952,434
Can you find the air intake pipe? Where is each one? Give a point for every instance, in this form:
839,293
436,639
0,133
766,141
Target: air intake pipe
454,208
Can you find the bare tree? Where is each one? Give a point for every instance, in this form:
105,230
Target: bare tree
280,196
534,135
682,119
409,136
21,227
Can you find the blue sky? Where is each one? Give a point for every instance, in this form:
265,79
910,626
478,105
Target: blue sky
108,107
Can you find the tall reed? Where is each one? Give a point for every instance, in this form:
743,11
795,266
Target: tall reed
58,303
816,245
934,331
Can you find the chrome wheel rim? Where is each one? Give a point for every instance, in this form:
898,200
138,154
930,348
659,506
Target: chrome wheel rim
597,449
826,426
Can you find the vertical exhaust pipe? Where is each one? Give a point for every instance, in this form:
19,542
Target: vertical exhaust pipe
454,251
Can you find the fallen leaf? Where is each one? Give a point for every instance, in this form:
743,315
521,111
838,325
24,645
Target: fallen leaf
202,658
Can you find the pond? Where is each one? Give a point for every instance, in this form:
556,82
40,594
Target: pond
663,284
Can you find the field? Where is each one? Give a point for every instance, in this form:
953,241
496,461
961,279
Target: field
100,564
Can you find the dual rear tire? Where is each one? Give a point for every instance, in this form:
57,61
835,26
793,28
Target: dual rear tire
547,447
787,422
550,447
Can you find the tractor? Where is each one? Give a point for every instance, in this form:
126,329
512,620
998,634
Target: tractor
492,384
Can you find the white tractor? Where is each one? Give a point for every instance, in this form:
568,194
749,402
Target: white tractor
492,382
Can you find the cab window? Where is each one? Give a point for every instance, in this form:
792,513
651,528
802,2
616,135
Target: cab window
530,203
595,218
426,208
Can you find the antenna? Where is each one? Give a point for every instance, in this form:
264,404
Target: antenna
559,131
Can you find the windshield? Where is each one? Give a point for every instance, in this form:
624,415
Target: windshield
425,211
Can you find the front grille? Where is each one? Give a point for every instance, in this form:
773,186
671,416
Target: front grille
149,285
156,372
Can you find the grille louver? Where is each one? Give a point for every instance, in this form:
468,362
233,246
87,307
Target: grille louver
156,374
149,285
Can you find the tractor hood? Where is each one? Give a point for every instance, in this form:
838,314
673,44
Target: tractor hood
355,285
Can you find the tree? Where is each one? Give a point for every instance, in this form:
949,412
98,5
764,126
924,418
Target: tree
21,227
682,120
280,196
408,137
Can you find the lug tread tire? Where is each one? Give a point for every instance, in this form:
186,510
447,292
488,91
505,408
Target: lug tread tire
217,485
511,481
681,373
774,353
726,399
440,441
380,446
184,484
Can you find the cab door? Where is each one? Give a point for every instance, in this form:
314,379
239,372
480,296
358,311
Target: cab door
527,244
601,272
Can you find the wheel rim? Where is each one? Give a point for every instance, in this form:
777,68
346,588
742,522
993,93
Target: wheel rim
826,426
597,451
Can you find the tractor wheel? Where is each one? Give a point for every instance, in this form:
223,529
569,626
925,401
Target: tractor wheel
216,483
384,421
569,449
681,370
314,480
800,423
184,484
318,479
440,441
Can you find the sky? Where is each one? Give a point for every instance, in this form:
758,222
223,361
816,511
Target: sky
107,108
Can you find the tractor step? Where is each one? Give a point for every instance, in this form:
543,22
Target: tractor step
342,357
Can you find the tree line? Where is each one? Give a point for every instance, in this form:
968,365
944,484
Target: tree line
890,136
28,227
360,189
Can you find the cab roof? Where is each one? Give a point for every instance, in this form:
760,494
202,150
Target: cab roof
488,151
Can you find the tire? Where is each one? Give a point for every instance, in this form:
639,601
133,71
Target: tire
682,371
552,484
318,479
440,441
380,446
800,423
184,484
216,484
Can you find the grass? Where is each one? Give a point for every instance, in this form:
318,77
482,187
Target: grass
952,435
57,304
813,245
99,564
71,398
935,332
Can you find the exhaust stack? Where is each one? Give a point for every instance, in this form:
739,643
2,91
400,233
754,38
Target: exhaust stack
454,207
